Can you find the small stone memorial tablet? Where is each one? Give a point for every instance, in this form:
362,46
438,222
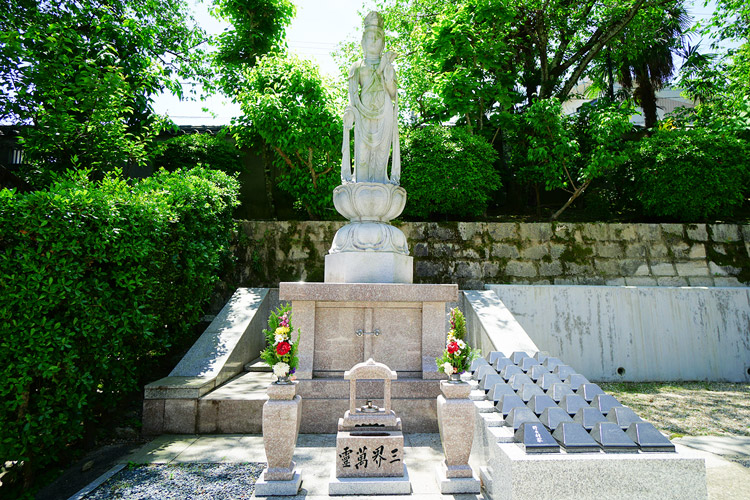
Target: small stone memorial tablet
482,371
490,379
648,438
517,356
477,363
572,403
534,438
520,415
604,403
507,403
553,416
527,363
494,356
498,390
576,380
509,371
539,403
588,391
517,380
501,363
575,439
559,390
623,416
547,379
529,390
564,371
612,439
537,371
588,417
551,362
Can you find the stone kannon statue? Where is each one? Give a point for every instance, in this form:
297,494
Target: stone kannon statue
372,111
369,249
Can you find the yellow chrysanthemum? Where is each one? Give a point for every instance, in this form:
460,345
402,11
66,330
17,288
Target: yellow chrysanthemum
282,330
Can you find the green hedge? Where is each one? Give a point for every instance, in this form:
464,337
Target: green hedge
691,175
97,279
447,171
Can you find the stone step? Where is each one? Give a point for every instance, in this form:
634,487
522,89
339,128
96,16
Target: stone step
237,406
257,365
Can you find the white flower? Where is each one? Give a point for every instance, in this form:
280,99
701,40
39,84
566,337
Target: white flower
461,344
279,337
451,338
447,368
280,369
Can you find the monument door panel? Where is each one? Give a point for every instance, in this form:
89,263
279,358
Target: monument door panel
399,345
337,347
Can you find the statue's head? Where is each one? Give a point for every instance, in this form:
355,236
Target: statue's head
373,38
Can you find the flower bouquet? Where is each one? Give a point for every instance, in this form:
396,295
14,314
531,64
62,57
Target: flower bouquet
281,352
457,356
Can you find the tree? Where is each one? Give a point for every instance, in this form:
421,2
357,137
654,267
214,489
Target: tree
83,75
645,54
289,110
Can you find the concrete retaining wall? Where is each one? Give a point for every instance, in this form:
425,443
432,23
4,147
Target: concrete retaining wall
472,254
638,334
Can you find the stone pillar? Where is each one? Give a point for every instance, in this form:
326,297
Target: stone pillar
456,423
281,419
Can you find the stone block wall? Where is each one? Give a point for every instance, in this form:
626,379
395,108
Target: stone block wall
473,254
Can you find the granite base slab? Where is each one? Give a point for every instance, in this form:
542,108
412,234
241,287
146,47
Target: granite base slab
265,488
369,267
456,485
370,485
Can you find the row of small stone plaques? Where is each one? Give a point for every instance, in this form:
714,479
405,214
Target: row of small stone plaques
550,406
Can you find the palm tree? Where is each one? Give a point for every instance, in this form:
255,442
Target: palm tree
646,63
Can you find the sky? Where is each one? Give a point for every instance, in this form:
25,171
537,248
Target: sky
320,25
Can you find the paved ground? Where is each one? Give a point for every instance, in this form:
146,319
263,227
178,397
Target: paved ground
727,478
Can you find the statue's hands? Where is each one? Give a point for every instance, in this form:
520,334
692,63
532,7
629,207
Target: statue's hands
388,71
348,118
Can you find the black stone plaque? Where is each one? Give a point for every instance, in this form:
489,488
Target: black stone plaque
572,403
588,417
553,416
588,391
612,439
538,403
575,439
546,380
517,380
558,390
648,438
507,403
498,390
520,415
534,438
604,403
623,416
530,389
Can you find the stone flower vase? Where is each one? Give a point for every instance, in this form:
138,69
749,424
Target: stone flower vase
281,419
455,413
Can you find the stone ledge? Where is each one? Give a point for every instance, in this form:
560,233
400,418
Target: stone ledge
179,387
366,292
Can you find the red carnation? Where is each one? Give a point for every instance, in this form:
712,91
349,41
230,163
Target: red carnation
452,347
283,348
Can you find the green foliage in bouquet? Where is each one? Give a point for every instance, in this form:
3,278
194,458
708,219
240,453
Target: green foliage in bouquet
457,356
281,351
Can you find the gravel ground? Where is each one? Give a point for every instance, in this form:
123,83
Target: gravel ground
181,482
688,408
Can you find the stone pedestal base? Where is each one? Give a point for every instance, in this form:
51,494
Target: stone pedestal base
264,488
369,267
370,485
456,485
